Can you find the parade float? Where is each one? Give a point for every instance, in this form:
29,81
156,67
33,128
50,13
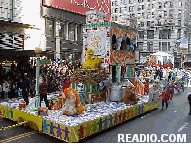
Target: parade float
161,59
108,51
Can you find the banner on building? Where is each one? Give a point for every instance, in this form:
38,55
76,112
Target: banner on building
81,6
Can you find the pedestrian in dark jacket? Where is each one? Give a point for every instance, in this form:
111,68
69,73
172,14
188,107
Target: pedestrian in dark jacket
25,88
189,100
43,92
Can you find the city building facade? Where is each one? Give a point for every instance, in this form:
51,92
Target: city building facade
64,21
20,28
161,24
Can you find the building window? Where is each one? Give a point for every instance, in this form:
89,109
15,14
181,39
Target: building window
116,10
165,5
79,33
179,22
160,5
179,13
150,34
139,8
130,9
49,28
140,46
122,2
169,46
152,6
71,31
62,31
150,46
142,7
113,3
171,13
120,10
149,6
143,15
180,4
179,33
141,34
171,4
165,13
142,24
165,34
164,46
6,10
159,46
148,23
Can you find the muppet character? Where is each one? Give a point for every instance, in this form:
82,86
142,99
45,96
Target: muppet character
72,104
80,90
91,63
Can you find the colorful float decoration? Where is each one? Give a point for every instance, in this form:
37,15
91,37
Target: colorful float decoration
130,96
72,105
90,75
139,86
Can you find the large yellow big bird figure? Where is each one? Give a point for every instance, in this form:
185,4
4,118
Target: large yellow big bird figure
91,62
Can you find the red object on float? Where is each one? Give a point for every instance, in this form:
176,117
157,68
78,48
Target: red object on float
81,6
22,105
164,66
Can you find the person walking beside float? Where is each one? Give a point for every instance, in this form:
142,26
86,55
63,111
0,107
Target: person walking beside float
170,90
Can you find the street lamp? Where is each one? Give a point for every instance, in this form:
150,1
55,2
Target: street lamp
37,98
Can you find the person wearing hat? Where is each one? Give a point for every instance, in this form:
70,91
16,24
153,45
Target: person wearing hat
189,100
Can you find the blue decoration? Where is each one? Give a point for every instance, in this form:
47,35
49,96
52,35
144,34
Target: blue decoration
105,123
100,124
111,120
44,124
51,128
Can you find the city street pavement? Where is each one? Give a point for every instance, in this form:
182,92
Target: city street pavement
174,120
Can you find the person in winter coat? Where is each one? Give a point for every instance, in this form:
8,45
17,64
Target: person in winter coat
6,89
43,92
189,100
1,90
171,90
164,96
25,88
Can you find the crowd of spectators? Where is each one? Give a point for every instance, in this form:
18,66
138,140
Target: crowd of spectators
20,78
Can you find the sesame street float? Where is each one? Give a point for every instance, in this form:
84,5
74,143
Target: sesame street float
99,98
